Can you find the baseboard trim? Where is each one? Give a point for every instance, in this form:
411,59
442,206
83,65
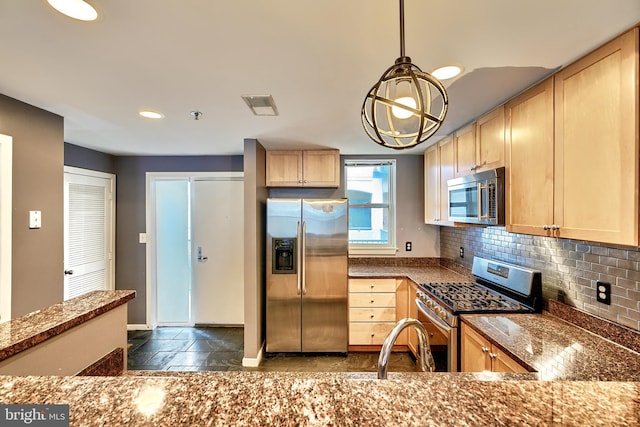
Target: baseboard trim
253,362
138,327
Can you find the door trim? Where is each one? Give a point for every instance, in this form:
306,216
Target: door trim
112,215
6,224
151,315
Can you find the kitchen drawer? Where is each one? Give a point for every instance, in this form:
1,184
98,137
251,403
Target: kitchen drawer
386,314
372,285
368,333
378,299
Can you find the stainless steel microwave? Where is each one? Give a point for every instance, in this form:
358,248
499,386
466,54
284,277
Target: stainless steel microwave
477,198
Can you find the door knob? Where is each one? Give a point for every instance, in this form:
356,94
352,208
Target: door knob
68,272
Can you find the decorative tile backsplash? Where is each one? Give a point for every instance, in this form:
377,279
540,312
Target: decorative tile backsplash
570,268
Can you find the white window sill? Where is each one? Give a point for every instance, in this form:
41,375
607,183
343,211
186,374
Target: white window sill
372,251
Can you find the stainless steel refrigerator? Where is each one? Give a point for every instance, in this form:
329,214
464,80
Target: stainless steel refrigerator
307,251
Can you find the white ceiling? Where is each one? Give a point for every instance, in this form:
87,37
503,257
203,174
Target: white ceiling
317,58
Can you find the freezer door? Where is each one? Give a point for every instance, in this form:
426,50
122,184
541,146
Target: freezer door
283,293
324,275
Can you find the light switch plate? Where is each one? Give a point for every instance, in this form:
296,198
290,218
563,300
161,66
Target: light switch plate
142,238
35,219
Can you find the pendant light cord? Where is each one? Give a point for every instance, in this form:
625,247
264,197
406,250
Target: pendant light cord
402,28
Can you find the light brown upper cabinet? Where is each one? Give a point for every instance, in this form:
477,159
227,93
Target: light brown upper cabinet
464,150
572,152
529,169
309,168
438,168
490,140
480,145
596,145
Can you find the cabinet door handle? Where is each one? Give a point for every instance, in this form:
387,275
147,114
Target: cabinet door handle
546,227
492,355
484,349
555,227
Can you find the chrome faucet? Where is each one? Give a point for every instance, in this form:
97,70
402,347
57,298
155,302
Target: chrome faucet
424,351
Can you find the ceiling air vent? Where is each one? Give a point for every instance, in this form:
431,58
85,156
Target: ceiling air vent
261,105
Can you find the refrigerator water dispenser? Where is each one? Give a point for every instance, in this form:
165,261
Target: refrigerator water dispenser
283,256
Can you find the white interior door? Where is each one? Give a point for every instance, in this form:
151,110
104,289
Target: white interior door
6,225
88,231
217,251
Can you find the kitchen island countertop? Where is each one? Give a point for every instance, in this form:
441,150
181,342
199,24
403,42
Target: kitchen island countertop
270,398
27,331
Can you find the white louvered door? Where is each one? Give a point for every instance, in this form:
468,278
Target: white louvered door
88,241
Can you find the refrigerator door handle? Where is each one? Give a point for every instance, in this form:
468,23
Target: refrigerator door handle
298,259
304,257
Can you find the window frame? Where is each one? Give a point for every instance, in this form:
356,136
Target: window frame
374,248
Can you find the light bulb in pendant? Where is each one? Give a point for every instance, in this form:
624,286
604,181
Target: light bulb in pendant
403,113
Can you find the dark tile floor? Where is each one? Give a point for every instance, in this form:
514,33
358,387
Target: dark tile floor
221,349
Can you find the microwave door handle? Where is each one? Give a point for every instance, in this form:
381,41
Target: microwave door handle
482,214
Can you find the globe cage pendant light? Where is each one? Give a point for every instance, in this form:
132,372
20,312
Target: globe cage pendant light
406,106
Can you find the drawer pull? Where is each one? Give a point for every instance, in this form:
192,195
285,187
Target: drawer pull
372,301
372,316
373,335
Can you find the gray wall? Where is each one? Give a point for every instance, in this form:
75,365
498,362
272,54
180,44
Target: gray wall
570,268
86,158
255,196
37,255
410,226
131,214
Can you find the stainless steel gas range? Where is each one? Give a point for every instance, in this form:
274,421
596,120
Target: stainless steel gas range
499,288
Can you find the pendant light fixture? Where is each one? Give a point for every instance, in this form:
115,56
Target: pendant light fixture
406,106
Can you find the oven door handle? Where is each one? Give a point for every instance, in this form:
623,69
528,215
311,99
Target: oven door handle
441,324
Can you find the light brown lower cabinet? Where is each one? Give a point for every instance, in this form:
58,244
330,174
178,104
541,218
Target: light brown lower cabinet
478,354
375,305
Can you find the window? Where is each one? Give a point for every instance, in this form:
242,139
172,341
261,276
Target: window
370,186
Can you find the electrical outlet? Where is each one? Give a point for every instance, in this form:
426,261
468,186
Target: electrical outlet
603,292
407,246
461,252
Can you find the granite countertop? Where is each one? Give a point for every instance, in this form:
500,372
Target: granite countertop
557,350
34,328
262,398
552,347
417,274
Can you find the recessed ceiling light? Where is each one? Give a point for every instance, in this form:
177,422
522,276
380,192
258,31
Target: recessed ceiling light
151,114
447,72
76,9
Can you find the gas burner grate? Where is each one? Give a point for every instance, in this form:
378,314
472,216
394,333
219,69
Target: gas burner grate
470,297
